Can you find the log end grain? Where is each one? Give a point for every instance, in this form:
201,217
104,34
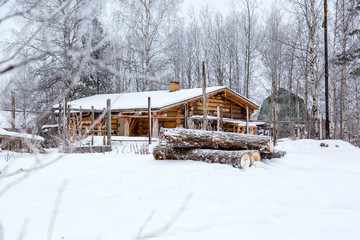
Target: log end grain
255,157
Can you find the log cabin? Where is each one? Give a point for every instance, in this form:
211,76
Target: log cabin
169,109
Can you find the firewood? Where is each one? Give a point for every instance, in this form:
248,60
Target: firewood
191,138
255,157
238,159
274,154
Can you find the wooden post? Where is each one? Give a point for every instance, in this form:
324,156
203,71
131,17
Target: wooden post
274,127
108,105
247,120
218,118
127,127
204,97
80,121
68,119
320,127
149,113
92,127
13,111
155,131
60,119
264,129
221,119
64,119
73,122
13,118
104,126
186,120
298,117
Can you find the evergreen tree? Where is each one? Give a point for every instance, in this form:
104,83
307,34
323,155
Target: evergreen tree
95,80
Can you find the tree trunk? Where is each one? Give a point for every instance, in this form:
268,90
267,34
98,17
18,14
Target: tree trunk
344,107
191,138
333,119
314,109
306,94
333,125
238,159
357,112
147,47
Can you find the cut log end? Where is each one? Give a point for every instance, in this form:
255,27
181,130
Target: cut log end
255,157
245,160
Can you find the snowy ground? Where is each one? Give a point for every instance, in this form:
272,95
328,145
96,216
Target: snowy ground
312,193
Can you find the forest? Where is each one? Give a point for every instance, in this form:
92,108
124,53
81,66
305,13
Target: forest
52,49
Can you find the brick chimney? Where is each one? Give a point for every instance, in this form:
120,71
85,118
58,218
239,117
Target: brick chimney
174,86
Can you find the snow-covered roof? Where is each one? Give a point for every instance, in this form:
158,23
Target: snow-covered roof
4,132
139,100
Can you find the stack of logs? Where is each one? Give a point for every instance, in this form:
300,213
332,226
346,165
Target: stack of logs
238,150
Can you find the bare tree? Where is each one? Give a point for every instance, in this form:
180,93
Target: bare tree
149,23
344,128
249,24
333,119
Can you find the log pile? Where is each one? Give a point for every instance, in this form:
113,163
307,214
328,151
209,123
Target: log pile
238,150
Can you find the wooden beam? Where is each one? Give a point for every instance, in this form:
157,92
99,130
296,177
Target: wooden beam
127,127
186,120
218,118
274,127
108,105
60,119
156,128
68,118
204,97
247,120
13,111
92,125
132,126
104,125
149,113
221,119
80,116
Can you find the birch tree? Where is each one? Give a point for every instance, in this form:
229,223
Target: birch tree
344,128
149,23
249,22
272,54
309,10
333,75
